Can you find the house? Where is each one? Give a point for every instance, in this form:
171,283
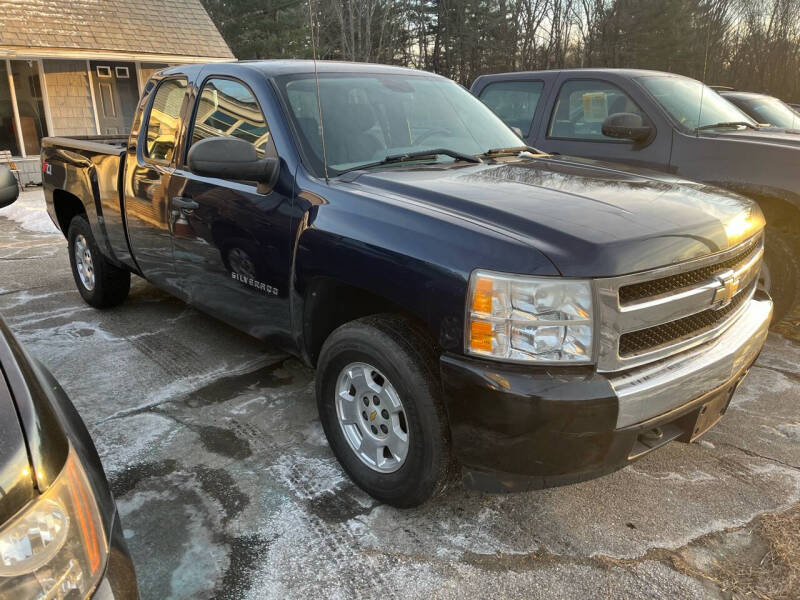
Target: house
76,67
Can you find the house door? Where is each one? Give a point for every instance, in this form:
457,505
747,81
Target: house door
116,94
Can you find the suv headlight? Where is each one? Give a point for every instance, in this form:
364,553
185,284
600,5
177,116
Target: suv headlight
529,319
56,547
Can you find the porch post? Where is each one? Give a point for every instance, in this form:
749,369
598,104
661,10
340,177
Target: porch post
15,109
45,98
139,81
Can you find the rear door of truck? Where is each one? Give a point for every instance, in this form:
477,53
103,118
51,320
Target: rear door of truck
149,166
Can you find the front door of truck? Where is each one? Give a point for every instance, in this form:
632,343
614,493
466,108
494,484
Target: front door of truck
232,244
149,168
574,126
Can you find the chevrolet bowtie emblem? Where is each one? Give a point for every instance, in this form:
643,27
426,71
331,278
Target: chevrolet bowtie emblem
373,415
728,286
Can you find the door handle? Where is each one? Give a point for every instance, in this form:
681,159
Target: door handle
181,203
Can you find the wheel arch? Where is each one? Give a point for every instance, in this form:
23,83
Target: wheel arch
329,303
66,207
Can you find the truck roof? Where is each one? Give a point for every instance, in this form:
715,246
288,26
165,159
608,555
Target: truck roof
272,68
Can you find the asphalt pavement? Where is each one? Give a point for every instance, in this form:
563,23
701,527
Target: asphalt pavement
227,488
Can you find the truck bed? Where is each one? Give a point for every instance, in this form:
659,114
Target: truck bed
89,170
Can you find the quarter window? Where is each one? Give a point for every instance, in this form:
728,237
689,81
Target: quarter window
228,108
163,124
583,105
514,101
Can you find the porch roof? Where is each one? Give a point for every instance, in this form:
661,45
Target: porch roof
180,30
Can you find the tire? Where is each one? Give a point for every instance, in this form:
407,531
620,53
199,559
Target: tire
781,275
102,284
403,357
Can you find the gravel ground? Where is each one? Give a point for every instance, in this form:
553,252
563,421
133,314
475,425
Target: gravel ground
227,488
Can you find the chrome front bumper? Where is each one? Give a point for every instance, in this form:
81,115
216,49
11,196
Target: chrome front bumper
656,388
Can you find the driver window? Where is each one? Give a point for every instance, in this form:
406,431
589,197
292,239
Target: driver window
228,108
583,105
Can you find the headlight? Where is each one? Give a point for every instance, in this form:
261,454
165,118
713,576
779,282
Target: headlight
56,548
529,319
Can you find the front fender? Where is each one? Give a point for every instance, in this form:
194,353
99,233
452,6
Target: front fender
416,257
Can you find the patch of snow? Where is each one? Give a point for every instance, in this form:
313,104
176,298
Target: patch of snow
30,213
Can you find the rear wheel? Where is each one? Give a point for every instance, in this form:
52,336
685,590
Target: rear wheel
100,283
379,401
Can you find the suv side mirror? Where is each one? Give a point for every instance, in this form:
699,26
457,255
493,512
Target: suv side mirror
232,158
626,126
9,190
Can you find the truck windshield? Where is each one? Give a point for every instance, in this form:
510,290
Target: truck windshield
769,110
369,116
694,105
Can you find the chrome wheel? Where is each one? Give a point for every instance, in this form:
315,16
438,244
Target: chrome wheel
83,262
241,263
372,417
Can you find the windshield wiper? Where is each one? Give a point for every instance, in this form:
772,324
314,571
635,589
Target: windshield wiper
495,152
727,124
411,156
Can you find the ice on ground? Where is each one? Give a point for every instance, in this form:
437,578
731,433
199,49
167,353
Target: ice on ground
30,213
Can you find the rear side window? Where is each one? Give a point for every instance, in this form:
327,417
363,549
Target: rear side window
163,123
514,101
228,108
583,105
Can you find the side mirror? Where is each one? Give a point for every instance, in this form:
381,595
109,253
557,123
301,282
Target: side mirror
9,190
232,158
626,126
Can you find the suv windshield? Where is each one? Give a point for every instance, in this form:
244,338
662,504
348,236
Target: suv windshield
766,109
693,104
369,116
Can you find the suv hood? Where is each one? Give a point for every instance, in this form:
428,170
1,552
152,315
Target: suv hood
782,137
16,481
590,218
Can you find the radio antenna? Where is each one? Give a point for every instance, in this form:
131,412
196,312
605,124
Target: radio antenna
703,89
319,100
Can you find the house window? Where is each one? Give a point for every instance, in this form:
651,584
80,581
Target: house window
104,71
122,72
30,102
8,128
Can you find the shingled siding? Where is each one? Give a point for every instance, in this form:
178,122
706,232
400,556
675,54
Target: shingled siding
167,27
70,98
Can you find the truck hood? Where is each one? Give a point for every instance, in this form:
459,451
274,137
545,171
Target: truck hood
589,218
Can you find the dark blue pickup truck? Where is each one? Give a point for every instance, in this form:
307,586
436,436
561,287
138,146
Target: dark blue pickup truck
671,124
471,305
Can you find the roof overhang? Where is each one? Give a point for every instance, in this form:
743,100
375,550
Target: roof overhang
81,54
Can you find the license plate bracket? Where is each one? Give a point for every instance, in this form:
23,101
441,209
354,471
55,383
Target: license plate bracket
709,414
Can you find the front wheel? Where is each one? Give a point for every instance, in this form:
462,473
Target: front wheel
379,401
780,273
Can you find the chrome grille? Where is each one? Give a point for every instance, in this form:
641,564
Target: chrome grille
652,338
650,315
673,283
